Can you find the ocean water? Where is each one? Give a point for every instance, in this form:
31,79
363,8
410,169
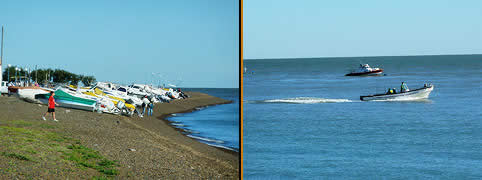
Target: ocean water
303,119
214,125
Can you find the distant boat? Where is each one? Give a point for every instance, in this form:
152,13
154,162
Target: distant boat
247,72
420,93
365,70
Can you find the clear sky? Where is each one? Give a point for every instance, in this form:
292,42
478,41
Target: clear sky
190,43
346,28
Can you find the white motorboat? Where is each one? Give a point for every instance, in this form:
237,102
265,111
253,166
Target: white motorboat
29,94
420,93
365,70
4,87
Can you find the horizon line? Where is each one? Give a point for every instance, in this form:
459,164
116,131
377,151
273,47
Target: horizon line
326,57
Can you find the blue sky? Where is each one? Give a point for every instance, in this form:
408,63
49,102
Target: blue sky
318,28
189,42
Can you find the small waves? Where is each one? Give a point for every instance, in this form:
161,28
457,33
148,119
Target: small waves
302,100
206,139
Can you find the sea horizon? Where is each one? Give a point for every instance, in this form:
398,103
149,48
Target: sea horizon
367,56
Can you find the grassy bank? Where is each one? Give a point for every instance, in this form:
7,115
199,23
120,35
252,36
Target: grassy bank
31,149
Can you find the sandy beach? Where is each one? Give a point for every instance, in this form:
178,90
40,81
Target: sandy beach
144,148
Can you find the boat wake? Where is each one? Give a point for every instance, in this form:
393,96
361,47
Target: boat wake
315,100
302,100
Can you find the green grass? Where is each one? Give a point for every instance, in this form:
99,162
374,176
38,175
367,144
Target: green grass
89,158
38,142
100,178
15,155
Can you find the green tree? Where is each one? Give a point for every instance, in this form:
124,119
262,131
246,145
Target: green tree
88,80
74,79
12,73
43,76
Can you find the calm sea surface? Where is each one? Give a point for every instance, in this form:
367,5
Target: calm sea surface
303,119
214,125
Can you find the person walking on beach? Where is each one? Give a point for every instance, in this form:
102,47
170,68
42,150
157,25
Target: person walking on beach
51,108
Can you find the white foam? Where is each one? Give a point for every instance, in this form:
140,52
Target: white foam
206,139
219,146
420,99
306,100
178,124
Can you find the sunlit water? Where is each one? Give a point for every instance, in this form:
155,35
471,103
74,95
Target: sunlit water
303,119
214,125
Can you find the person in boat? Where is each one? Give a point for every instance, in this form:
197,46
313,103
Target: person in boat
404,87
390,91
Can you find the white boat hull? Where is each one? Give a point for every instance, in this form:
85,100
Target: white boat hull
422,93
29,94
70,104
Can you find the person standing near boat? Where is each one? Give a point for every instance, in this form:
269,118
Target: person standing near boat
51,108
151,106
145,102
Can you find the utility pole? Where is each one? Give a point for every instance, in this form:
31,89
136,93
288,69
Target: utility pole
36,74
1,58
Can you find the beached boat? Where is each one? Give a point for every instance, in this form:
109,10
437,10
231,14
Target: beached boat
108,102
28,94
4,87
365,70
137,90
420,93
68,100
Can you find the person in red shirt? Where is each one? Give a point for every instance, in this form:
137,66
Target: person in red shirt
51,108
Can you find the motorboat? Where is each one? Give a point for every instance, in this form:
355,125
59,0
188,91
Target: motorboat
365,70
4,87
68,100
420,93
108,103
28,94
137,90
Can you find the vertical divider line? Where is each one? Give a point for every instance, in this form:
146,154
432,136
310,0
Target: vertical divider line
241,86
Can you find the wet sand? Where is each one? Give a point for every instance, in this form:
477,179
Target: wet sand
161,151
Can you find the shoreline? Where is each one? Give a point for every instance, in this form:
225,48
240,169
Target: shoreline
164,118
160,150
183,131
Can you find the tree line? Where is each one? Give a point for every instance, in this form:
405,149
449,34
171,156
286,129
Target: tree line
44,76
